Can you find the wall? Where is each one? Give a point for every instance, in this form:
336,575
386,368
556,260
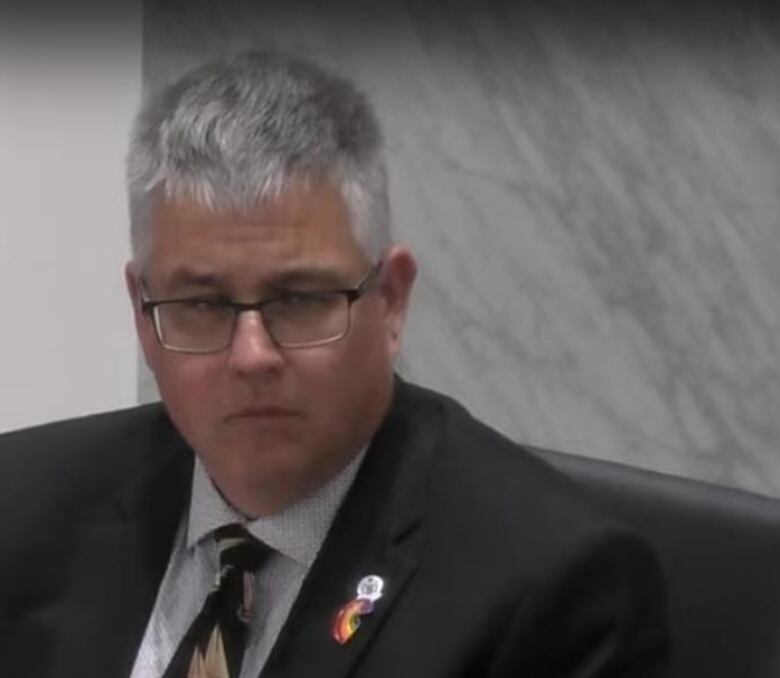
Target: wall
592,189
68,85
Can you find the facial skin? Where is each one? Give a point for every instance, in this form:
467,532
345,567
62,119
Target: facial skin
272,425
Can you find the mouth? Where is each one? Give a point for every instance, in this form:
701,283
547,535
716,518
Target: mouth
262,413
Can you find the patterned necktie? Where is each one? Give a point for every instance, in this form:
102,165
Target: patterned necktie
213,646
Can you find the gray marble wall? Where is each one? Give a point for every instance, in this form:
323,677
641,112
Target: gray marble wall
592,190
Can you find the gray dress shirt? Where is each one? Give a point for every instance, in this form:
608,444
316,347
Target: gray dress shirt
295,535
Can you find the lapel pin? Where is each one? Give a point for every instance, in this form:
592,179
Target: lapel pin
347,620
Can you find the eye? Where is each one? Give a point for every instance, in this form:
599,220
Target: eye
298,299
198,308
203,304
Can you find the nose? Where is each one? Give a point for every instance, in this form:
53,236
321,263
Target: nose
252,349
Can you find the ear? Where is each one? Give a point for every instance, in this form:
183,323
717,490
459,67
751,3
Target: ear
143,323
399,269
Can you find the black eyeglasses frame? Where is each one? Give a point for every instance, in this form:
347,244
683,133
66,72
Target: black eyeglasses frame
352,294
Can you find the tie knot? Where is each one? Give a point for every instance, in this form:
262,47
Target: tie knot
238,549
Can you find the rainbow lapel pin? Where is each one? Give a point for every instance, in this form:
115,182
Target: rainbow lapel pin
347,620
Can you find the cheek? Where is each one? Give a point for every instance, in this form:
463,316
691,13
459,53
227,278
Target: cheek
338,379
186,384
365,368
374,347
148,340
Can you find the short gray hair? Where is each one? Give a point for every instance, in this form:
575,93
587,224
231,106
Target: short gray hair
237,130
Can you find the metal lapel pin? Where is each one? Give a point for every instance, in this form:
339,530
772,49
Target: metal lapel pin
347,620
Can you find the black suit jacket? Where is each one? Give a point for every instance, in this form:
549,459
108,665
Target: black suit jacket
495,565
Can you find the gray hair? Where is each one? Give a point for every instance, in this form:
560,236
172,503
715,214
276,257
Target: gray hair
235,131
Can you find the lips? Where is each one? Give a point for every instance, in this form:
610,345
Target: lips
267,412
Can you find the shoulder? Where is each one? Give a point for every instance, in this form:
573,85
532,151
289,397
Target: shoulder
500,497
67,466
87,438
566,584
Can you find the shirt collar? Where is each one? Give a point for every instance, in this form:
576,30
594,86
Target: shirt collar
296,532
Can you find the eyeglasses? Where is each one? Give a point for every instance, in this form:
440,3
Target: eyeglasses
292,320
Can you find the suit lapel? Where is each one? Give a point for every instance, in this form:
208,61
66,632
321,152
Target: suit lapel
150,513
376,532
113,563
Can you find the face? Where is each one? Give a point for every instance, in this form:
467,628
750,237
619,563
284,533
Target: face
272,424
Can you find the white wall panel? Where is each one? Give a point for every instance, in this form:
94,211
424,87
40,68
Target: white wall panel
68,88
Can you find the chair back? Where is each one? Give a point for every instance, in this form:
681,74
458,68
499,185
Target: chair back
720,551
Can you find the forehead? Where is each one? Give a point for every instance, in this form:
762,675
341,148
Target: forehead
304,226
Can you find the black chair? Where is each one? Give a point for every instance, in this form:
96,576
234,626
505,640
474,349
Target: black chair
720,550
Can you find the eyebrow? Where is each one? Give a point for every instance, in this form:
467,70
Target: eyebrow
308,276
184,277
303,276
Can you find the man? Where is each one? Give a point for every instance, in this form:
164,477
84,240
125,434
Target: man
389,533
